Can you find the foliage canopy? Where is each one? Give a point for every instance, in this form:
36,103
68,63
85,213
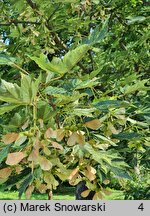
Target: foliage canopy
74,94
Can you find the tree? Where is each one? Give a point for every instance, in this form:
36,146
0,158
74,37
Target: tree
76,104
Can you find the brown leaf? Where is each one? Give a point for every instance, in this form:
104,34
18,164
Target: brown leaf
34,155
74,174
74,138
42,188
57,145
85,193
89,175
10,138
81,138
50,133
60,133
94,124
29,191
91,169
14,158
5,173
45,164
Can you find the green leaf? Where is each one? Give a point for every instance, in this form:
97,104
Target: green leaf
109,141
97,34
120,173
59,66
50,90
25,184
9,92
6,108
74,56
105,104
6,60
56,65
132,20
84,112
88,83
126,135
3,153
25,89
17,178
138,86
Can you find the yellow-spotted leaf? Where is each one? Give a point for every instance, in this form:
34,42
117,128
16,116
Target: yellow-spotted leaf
14,158
93,124
10,138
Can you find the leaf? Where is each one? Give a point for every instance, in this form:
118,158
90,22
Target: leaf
126,135
76,137
97,35
109,141
4,153
132,20
25,184
50,90
6,60
6,108
42,188
80,138
20,140
88,83
85,193
14,158
120,173
60,134
10,138
29,191
57,145
17,178
45,164
5,172
90,173
93,124
74,56
105,104
84,112
56,65
10,93
138,86
25,91
50,133
74,174
52,183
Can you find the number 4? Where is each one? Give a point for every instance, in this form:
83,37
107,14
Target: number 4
141,207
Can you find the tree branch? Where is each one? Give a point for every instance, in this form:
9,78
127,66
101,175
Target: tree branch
55,36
